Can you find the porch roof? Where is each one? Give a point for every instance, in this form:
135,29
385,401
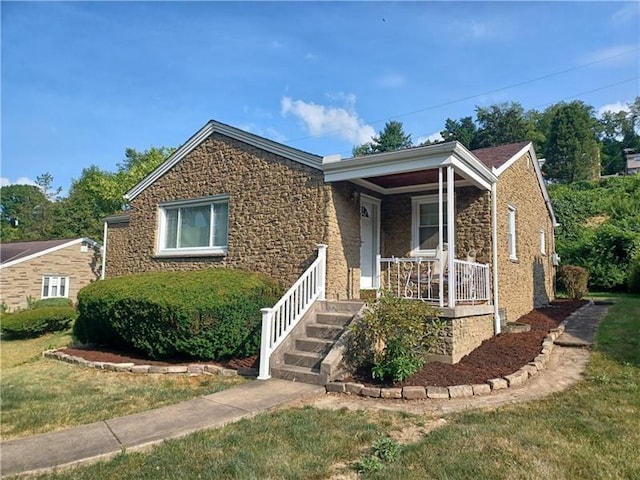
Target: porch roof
411,169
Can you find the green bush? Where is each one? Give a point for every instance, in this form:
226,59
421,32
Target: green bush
51,302
204,314
574,279
633,281
32,323
393,338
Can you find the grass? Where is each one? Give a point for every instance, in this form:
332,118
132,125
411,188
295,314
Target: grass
589,431
41,395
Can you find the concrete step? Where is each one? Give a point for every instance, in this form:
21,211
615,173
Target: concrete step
347,306
334,318
303,359
320,330
319,345
297,374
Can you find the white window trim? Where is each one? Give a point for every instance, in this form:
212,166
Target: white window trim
543,242
57,278
415,222
217,250
512,233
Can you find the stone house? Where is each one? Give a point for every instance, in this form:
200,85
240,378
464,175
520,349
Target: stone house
47,269
470,232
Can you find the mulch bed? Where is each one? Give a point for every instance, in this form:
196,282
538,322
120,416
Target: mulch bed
496,357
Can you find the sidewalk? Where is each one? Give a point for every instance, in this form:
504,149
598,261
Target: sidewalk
107,438
581,328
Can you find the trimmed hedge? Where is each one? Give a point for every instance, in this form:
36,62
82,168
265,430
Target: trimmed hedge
204,314
51,302
33,323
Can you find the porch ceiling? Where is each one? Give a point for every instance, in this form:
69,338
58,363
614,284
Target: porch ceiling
408,170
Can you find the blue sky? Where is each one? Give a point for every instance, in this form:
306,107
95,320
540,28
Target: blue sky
82,81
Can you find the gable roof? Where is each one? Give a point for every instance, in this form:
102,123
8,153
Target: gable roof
18,252
496,157
502,157
205,132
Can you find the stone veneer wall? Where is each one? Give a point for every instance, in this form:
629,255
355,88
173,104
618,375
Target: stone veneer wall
25,279
276,212
527,282
117,248
473,223
462,335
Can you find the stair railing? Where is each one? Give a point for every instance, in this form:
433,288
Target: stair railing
279,320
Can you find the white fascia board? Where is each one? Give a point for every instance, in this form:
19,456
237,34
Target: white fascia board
216,127
52,249
388,163
471,174
536,166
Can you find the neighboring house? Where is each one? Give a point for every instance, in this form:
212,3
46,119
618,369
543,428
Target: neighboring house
47,269
229,198
633,163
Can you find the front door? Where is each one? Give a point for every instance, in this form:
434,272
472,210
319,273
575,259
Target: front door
369,240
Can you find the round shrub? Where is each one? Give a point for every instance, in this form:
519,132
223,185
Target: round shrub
203,314
52,302
32,323
574,279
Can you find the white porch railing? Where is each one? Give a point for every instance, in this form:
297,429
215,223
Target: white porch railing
279,320
419,278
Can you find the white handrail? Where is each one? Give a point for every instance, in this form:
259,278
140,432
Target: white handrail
279,320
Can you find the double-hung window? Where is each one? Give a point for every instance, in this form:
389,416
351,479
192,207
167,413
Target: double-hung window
55,286
425,222
511,232
194,227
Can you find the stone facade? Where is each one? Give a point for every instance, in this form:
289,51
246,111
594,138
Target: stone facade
525,283
17,282
462,335
279,210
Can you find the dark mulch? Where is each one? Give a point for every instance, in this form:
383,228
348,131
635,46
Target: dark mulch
498,356
94,353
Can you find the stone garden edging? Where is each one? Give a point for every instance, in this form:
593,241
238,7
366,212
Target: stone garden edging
191,369
519,377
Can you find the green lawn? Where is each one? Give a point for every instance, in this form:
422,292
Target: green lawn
41,395
589,431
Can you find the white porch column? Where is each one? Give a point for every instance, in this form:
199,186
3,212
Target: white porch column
451,235
494,263
104,251
440,239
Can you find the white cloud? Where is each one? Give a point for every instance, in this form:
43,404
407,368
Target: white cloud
322,120
434,137
613,107
627,13
4,181
612,56
392,80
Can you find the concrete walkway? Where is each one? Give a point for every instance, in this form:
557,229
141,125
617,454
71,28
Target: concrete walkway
107,438
581,328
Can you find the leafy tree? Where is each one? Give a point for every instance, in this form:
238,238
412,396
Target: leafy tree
619,131
463,130
572,151
391,138
21,212
501,124
99,193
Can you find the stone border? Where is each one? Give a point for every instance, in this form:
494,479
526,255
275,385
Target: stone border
515,379
191,370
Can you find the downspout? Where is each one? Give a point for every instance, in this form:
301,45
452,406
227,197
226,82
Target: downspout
494,245
104,251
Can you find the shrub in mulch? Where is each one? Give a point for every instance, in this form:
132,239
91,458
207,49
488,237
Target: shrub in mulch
496,357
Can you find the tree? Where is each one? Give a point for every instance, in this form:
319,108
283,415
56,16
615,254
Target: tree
500,124
619,131
99,193
463,130
21,210
572,151
391,138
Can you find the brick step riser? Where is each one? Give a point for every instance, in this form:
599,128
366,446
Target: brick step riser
298,360
324,332
313,345
305,377
333,319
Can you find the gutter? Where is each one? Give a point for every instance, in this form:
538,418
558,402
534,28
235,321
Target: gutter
494,245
